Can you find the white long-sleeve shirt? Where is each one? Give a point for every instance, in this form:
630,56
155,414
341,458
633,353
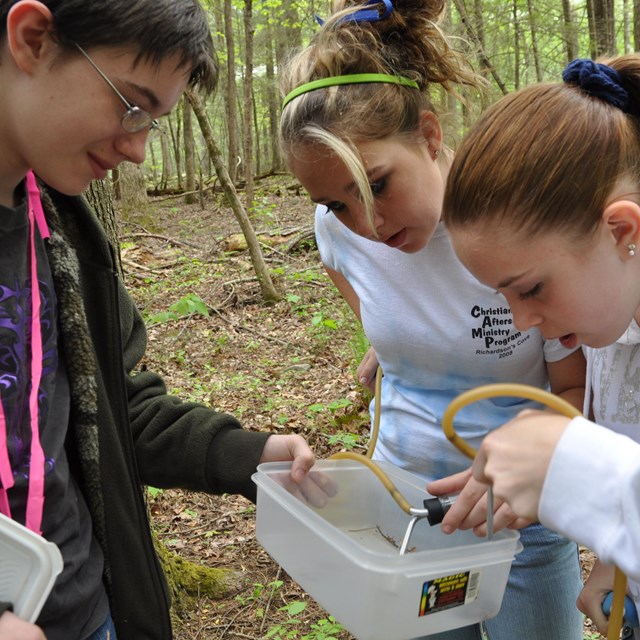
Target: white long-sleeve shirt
592,494
592,489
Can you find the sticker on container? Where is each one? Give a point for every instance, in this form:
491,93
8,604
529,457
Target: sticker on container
448,592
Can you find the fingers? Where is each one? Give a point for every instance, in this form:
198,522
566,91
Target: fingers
503,518
469,509
597,586
366,371
303,459
590,603
450,484
315,489
478,468
282,448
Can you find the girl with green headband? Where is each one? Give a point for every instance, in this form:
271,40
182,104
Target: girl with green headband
360,133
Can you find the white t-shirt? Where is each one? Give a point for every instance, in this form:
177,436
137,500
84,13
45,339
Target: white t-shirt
437,332
592,489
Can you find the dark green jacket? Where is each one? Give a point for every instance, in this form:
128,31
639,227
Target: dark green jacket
125,430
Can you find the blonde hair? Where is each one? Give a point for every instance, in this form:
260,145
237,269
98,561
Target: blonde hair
409,43
547,158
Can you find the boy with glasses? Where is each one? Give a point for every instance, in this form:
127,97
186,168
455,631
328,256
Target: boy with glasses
81,427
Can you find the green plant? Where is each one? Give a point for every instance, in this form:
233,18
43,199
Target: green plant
258,588
288,630
324,629
333,406
341,403
187,305
319,320
345,440
264,211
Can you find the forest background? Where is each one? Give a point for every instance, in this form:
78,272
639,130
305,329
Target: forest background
217,248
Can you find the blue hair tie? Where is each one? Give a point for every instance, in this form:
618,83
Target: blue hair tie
366,15
597,80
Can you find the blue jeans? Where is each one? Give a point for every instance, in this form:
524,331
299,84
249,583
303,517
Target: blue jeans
540,599
101,632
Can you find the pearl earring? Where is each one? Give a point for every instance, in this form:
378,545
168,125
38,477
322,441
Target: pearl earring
436,152
632,249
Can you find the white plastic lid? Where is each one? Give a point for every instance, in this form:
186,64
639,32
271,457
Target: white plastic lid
29,565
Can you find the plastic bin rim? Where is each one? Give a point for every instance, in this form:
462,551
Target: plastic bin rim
478,554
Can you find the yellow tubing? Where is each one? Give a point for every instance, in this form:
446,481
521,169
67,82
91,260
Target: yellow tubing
617,606
562,407
495,390
376,418
366,459
383,477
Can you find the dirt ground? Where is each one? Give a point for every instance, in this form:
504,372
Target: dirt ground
287,367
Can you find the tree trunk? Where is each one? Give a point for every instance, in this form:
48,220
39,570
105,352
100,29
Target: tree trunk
289,31
273,103
570,31
99,197
602,27
256,154
154,164
626,22
248,104
269,293
636,25
133,189
189,153
478,22
115,182
175,141
473,36
166,161
534,40
231,96
189,581
516,46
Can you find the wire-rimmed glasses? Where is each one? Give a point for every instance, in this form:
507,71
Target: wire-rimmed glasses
134,119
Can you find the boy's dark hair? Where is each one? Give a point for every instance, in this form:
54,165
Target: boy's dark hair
154,28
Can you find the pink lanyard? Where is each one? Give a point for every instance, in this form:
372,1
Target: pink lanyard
35,498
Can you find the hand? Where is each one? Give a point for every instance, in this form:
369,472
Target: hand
595,589
469,511
515,459
14,628
309,486
282,448
366,371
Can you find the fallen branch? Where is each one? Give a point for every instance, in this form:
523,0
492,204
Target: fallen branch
146,234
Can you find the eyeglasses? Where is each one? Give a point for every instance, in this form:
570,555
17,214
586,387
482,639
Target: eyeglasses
134,119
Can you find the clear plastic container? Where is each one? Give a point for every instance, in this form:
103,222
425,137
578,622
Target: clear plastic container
29,566
346,554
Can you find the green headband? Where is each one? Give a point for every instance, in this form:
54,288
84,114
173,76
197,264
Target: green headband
354,78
